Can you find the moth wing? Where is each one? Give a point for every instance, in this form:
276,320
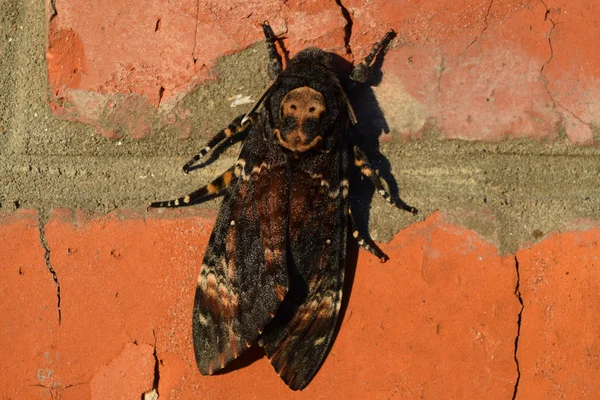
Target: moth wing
299,337
243,278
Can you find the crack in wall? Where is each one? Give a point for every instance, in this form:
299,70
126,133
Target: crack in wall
53,11
546,81
547,18
440,71
44,242
519,320
348,27
196,32
485,26
153,393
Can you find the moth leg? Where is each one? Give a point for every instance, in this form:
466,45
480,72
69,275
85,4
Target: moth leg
362,72
274,67
212,189
236,127
365,242
361,161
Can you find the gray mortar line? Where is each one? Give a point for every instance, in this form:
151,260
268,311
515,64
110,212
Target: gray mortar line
43,218
519,321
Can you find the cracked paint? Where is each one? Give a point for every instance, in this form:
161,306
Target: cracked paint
485,27
570,74
196,32
154,394
127,376
519,321
44,243
558,349
548,17
348,28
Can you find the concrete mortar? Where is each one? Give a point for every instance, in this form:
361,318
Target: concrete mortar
511,193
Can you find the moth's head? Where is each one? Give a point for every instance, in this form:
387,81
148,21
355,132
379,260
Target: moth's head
302,112
313,56
306,103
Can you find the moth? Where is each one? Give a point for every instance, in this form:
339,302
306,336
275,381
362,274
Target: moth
273,271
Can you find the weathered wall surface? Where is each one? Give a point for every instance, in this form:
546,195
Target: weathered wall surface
485,115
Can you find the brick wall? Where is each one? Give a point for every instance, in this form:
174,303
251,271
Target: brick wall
485,115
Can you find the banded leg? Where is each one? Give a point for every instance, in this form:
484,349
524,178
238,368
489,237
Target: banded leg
365,242
236,127
212,189
362,72
274,68
361,161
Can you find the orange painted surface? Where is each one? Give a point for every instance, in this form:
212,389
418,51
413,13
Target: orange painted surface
559,350
439,319
28,315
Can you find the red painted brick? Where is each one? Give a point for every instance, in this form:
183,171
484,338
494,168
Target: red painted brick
471,71
573,72
439,319
156,52
559,349
475,70
481,70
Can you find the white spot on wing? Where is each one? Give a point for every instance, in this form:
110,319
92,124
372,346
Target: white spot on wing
319,341
202,319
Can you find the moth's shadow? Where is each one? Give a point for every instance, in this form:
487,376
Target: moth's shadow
371,125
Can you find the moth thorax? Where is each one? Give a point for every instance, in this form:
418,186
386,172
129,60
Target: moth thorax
300,113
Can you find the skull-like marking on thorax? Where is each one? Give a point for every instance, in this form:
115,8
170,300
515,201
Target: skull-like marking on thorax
298,109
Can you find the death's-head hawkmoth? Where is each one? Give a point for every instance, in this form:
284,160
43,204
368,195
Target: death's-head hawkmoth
273,271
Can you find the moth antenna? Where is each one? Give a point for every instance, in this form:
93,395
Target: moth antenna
351,112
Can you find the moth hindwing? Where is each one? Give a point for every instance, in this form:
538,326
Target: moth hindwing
273,271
